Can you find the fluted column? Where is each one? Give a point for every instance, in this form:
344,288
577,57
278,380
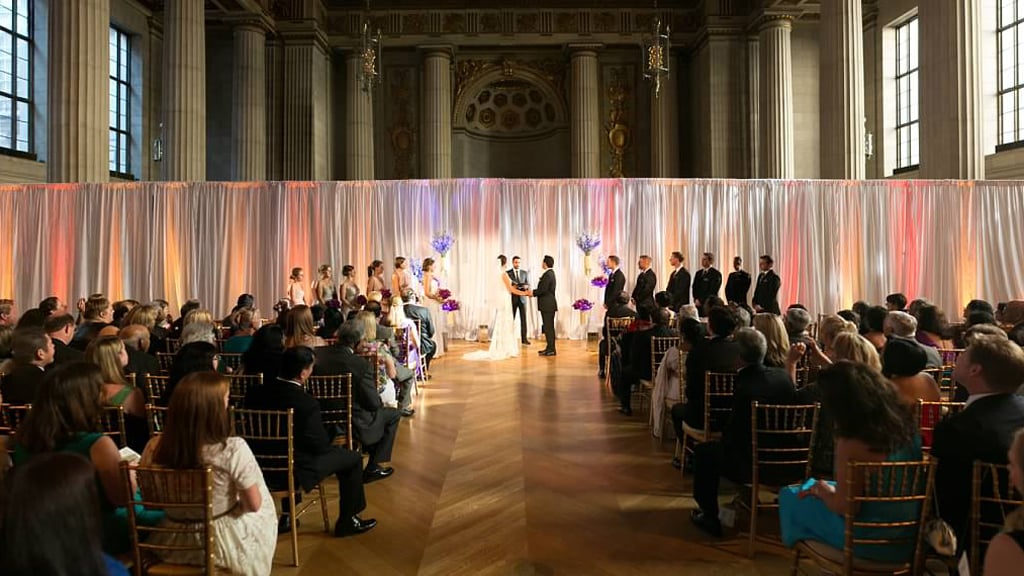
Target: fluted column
77,78
665,126
950,89
249,129
436,130
776,95
753,107
842,90
275,109
184,86
586,114
358,123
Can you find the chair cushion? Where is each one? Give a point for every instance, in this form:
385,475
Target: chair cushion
836,556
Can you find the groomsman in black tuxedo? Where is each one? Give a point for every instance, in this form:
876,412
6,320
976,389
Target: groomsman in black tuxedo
616,282
520,280
738,285
646,282
707,281
766,293
547,305
678,282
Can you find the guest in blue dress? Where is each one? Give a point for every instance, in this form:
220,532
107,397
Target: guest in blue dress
872,425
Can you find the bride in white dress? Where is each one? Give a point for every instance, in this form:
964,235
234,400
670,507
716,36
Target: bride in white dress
504,338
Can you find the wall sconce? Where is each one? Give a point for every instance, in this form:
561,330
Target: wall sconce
158,145
869,144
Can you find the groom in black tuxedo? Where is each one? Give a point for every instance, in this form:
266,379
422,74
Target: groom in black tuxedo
546,303
520,280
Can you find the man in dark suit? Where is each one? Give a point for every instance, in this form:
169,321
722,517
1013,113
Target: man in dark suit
738,284
98,314
140,361
521,280
717,353
646,282
546,304
991,369
61,329
766,293
416,312
374,425
620,309
616,282
33,352
731,456
707,281
637,362
678,282
315,457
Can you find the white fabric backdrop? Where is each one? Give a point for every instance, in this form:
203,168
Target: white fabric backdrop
833,241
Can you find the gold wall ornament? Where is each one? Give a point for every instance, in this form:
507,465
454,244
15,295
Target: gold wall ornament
402,131
620,136
551,70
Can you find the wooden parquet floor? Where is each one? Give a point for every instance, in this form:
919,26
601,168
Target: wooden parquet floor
521,468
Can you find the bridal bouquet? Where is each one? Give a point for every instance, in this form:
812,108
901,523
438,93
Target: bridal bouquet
583,305
445,294
588,241
599,281
442,243
385,294
450,305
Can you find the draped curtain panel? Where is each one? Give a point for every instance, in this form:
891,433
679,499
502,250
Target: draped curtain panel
834,242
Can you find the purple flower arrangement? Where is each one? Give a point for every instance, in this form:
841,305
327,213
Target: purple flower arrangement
361,300
599,281
385,294
603,262
588,241
336,304
583,305
444,293
442,243
416,267
450,305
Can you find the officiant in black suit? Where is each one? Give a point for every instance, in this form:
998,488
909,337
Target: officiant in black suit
766,293
521,280
616,282
546,303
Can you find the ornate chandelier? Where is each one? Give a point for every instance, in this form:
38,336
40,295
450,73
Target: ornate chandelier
369,50
654,51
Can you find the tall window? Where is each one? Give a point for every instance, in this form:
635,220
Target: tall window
1010,36
15,76
120,90
908,124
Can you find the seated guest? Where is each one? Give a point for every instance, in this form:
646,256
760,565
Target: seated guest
34,317
1005,553
385,334
53,522
197,433
991,370
8,313
192,357
914,308
829,328
137,342
388,368
161,328
61,329
242,303
265,352
299,329
177,326
413,356
620,309
874,326
63,419
902,363
774,331
315,457
710,303
743,317
121,309
669,380
6,345
664,302
872,425
932,328
731,456
903,325
415,312
97,314
638,366
33,352
849,316
333,320
716,353
797,321
374,425
110,355
53,306
896,302
245,326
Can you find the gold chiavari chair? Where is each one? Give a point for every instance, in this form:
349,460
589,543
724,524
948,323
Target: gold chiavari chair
232,362
950,356
421,373
718,391
877,483
803,377
929,414
155,418
156,385
166,360
812,330
186,498
241,384
659,346
334,393
14,414
173,345
993,497
269,433
669,402
112,424
944,379
613,329
781,440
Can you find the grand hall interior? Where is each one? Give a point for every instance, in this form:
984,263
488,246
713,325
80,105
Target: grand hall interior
580,287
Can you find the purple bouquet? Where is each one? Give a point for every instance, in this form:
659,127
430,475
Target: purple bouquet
361,300
603,262
587,241
444,293
442,243
599,281
582,305
385,294
416,267
335,303
450,305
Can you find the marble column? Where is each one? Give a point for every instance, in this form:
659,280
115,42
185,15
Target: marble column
585,112
665,126
753,107
358,122
436,124
950,90
305,150
184,85
274,75
78,69
841,72
776,97
249,84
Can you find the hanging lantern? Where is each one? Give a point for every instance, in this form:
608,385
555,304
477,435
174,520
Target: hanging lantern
370,49
655,53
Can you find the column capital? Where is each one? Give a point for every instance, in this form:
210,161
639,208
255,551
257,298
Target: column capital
766,21
252,21
305,32
439,49
588,49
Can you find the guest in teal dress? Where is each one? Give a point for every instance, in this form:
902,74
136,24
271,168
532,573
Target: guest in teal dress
64,419
51,524
872,425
